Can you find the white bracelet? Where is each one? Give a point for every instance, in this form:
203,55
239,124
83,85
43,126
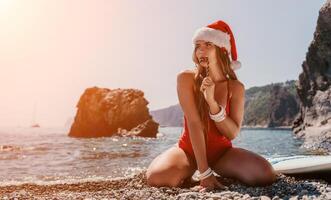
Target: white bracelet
204,177
220,116
217,115
197,176
206,174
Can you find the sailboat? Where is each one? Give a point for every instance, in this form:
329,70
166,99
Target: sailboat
34,124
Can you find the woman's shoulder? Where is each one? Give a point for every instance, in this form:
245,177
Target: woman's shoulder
186,78
186,74
188,71
236,83
236,86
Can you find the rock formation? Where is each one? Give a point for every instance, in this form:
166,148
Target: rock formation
104,112
313,87
270,106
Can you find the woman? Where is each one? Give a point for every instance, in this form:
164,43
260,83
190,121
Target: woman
212,100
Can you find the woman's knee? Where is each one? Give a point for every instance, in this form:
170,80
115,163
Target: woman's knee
167,177
262,177
267,176
169,168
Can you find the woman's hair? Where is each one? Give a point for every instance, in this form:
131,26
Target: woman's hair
223,61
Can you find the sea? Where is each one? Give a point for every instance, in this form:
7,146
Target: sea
49,156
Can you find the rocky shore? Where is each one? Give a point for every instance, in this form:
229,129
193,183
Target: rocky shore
313,124
135,187
265,127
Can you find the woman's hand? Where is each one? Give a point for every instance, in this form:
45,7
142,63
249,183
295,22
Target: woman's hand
208,89
210,183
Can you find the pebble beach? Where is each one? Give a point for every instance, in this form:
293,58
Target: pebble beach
135,187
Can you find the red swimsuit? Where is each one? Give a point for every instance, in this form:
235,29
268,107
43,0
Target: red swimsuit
216,145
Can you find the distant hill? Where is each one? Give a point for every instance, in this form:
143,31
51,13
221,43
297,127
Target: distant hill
272,105
170,116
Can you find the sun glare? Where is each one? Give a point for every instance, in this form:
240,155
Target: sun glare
4,5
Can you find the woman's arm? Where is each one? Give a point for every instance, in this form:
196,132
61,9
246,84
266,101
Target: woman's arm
185,91
231,125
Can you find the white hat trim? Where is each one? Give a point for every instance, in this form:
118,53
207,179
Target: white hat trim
235,65
217,37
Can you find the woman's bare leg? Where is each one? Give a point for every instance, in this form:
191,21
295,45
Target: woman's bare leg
170,168
245,166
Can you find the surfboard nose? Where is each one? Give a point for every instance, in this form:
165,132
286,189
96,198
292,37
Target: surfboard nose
302,164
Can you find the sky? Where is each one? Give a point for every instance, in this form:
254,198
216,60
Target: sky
51,51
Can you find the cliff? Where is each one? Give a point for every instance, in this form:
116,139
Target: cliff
313,123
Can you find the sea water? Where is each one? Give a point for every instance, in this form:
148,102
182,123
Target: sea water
48,155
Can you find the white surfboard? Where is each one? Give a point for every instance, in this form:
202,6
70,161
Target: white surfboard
302,164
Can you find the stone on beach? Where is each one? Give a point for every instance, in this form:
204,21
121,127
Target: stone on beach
135,187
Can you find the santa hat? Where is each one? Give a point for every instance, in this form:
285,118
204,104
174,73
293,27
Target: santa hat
221,35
